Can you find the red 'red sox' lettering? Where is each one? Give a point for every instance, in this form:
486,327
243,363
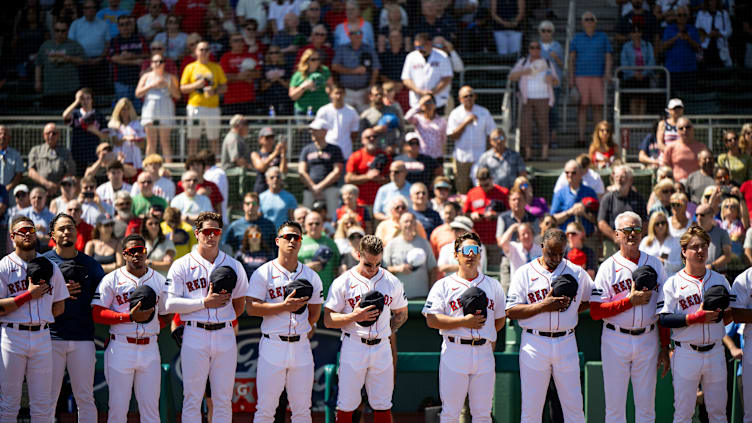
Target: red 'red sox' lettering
16,287
276,292
354,301
196,284
690,301
538,295
122,299
625,285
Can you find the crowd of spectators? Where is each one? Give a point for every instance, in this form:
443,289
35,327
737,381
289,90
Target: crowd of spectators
375,94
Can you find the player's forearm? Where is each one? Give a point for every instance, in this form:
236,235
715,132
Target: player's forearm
7,305
338,320
444,322
673,320
524,311
58,308
398,319
314,312
238,304
255,307
742,315
183,305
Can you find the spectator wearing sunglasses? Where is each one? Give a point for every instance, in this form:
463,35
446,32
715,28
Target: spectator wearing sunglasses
56,73
735,160
402,257
189,202
310,18
701,178
153,22
719,250
173,40
680,44
353,22
252,10
277,204
662,192
682,155
358,67
420,167
318,42
313,250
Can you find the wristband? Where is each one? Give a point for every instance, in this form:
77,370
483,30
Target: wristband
696,317
22,299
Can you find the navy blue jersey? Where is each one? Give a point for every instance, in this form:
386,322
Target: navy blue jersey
76,323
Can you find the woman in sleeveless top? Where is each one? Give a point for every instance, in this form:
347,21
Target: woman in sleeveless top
270,153
68,192
667,131
160,251
103,246
507,18
159,89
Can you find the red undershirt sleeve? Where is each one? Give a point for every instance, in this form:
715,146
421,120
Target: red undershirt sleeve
104,316
599,311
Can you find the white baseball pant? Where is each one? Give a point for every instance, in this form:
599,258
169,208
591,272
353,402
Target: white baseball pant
361,364
284,365
79,357
133,368
30,354
747,380
689,369
466,370
541,358
211,354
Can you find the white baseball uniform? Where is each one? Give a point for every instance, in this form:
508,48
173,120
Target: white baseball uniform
285,356
629,341
26,347
548,345
131,361
209,346
366,354
469,367
683,294
741,292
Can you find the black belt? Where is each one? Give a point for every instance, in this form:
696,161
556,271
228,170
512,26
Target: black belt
293,338
634,332
698,348
549,334
137,341
367,341
30,328
208,326
474,341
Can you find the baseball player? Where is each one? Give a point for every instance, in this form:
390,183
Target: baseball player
629,343
697,333
366,355
285,357
548,347
33,292
467,361
132,360
73,331
209,348
741,291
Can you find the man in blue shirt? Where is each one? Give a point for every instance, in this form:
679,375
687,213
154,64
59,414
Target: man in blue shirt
397,186
567,202
94,36
681,43
233,235
590,64
110,16
277,204
40,215
358,67
73,331
11,164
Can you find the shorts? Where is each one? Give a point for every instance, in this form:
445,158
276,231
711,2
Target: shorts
591,90
199,116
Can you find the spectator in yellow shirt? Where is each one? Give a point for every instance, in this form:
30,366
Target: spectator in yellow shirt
203,81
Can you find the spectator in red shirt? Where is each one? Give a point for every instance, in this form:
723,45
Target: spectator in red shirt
365,171
483,204
318,42
83,229
203,187
193,13
241,69
336,14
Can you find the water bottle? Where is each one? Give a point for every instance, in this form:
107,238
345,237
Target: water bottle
309,113
272,113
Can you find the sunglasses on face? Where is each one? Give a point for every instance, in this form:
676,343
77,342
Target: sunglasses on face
254,235
211,231
291,237
546,30
589,19
685,128
26,230
631,230
703,214
159,62
400,207
667,191
139,249
467,250
676,205
122,204
661,223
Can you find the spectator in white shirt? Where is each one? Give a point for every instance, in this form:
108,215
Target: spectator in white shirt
277,11
163,185
153,22
341,118
469,126
590,178
537,78
714,25
522,251
216,174
107,190
252,9
189,202
427,71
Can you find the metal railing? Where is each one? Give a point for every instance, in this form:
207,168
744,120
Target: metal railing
708,130
618,91
571,26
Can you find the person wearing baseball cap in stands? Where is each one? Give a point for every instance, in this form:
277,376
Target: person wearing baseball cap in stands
320,166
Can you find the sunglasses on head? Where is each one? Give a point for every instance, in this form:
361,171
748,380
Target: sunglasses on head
467,250
210,231
139,249
291,237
